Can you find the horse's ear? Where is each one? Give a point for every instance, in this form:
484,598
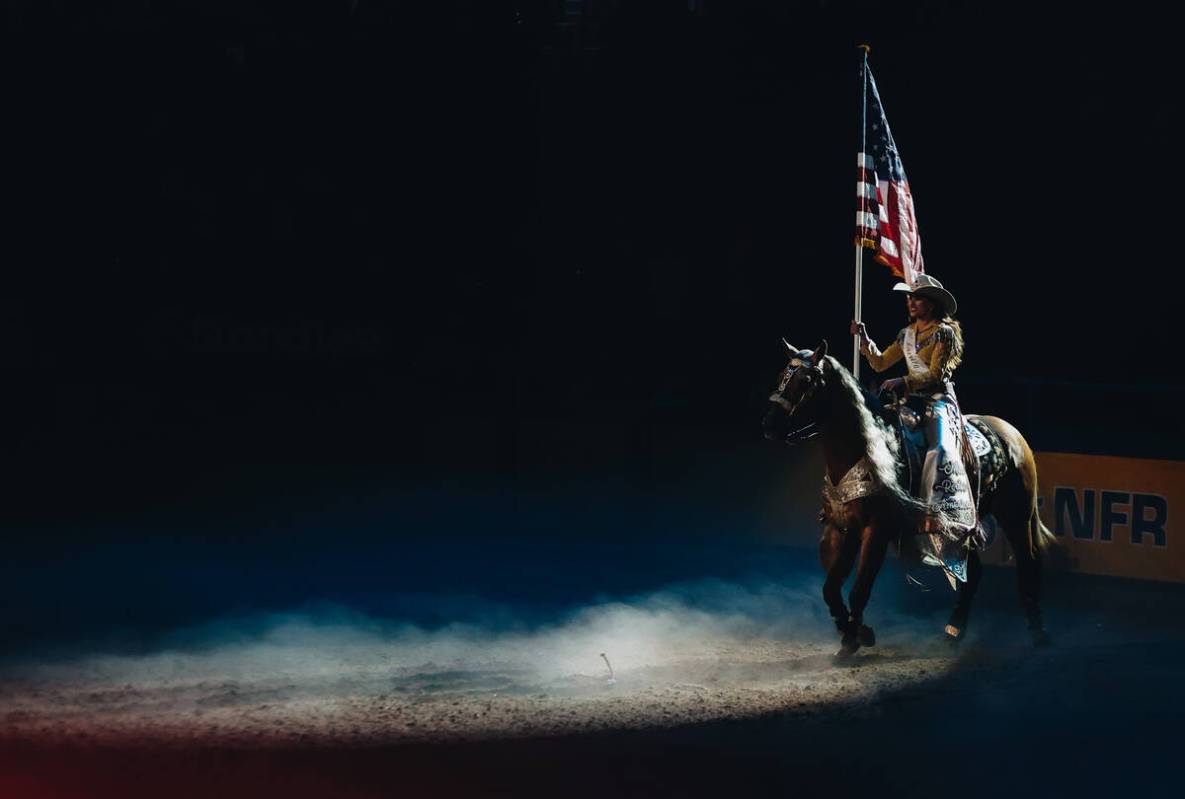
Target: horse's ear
790,348
821,352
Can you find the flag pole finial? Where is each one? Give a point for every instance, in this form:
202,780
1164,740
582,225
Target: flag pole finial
865,47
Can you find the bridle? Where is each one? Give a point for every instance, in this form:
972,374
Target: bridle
807,431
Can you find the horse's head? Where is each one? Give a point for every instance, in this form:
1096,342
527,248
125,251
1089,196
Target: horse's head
794,404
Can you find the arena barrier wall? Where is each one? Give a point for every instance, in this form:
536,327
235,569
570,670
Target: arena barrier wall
1114,516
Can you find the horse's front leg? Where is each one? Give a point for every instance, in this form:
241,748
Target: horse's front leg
837,552
874,542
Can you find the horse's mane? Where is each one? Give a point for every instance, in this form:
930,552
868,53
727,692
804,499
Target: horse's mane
880,413
881,447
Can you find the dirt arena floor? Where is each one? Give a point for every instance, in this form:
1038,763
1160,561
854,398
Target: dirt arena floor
361,697
699,703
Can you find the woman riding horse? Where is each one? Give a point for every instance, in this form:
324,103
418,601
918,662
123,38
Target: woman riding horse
867,505
932,347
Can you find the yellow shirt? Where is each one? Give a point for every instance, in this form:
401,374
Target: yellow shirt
935,345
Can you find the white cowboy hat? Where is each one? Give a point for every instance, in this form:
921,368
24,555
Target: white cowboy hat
931,289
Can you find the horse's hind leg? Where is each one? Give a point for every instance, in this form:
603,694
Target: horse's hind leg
1022,528
1015,508
956,627
1028,575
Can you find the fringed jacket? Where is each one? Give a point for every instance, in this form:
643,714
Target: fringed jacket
936,354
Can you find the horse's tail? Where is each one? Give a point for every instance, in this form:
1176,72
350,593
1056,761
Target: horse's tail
1039,534
1026,464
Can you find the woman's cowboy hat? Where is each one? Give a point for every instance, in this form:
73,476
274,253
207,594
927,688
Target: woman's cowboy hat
931,289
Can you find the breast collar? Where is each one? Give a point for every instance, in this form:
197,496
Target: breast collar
856,483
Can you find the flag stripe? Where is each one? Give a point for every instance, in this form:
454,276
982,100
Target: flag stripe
885,219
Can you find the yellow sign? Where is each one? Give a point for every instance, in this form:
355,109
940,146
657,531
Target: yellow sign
1122,517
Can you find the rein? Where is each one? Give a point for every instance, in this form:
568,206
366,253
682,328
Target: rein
802,434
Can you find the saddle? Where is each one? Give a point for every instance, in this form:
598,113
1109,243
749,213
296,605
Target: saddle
985,459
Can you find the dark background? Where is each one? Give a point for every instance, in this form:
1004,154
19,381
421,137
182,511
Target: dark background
292,283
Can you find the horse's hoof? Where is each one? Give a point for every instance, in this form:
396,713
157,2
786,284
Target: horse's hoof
848,646
1041,638
953,634
866,636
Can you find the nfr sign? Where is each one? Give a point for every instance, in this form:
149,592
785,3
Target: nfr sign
1094,514
1114,516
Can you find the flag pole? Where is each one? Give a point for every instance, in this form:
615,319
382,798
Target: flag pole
859,234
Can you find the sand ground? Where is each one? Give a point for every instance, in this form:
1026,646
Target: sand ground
360,699
696,709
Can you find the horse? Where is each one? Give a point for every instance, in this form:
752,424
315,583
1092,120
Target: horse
817,397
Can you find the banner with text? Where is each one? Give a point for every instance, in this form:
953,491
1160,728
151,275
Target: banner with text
1112,516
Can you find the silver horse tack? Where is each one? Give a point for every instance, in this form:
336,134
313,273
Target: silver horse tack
857,483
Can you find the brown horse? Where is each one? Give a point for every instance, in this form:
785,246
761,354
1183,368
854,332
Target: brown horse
818,396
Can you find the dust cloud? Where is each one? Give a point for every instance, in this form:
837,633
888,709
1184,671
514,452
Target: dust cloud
693,651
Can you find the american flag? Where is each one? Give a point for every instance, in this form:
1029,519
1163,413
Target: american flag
885,221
